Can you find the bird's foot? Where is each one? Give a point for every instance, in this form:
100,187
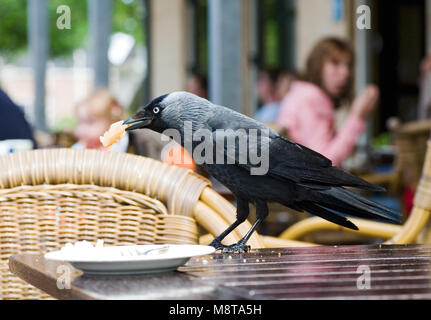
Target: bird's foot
237,247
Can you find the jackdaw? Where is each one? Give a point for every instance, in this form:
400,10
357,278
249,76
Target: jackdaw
293,175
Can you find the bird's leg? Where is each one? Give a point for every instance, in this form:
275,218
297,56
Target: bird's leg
241,246
247,236
241,214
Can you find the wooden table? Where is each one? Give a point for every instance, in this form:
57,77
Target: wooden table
344,272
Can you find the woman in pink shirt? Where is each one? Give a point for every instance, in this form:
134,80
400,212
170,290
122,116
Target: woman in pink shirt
308,109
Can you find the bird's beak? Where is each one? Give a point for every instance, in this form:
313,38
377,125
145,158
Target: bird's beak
137,123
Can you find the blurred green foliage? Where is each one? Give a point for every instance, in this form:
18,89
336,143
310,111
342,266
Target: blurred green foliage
270,33
13,26
66,123
382,140
127,17
64,41
271,56
202,37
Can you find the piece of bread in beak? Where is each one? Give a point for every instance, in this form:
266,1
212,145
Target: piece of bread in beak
115,133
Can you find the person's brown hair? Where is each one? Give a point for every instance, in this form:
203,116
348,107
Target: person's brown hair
325,49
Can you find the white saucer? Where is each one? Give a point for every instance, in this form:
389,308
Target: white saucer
128,260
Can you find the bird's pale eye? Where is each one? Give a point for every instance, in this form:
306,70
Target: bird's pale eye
156,110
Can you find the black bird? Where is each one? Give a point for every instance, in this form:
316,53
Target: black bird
293,175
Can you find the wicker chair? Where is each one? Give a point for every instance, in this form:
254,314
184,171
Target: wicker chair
410,139
51,197
415,229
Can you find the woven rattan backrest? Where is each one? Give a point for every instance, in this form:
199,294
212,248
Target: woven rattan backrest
411,141
51,197
178,188
419,216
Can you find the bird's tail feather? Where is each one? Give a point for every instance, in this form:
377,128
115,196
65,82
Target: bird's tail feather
333,176
322,202
347,179
324,213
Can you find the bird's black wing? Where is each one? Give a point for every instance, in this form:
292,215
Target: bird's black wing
303,165
286,159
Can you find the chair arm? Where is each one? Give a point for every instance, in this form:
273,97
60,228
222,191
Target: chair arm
380,178
276,242
412,227
366,228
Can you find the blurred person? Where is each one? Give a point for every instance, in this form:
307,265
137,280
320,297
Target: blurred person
64,138
96,114
267,93
13,124
198,85
283,84
424,109
308,110
44,139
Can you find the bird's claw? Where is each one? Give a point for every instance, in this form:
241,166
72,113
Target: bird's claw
237,247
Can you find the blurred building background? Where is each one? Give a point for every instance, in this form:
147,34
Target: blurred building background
143,48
